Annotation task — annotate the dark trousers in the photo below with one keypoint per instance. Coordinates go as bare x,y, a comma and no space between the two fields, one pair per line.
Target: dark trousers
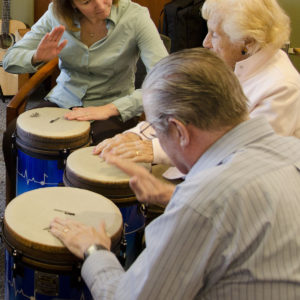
101,130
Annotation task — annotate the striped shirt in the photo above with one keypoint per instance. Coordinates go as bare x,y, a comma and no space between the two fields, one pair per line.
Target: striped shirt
230,231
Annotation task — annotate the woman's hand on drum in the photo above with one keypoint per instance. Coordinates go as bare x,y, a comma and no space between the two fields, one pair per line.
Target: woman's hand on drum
77,237
50,46
92,113
127,145
147,188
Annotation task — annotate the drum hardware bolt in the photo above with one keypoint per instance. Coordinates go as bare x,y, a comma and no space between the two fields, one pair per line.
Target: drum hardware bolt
143,209
76,280
13,141
123,246
64,153
17,268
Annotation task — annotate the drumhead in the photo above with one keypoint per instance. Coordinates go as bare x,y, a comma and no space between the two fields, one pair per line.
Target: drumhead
89,171
46,128
28,216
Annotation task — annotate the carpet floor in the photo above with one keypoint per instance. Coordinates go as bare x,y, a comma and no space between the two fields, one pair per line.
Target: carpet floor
2,193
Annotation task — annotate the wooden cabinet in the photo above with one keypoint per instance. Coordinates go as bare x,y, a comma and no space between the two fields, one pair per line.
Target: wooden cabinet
40,6
154,6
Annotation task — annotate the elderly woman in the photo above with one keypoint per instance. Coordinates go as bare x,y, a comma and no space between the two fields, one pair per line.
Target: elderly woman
248,36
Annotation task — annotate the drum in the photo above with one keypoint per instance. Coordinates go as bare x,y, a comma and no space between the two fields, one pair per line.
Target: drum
37,265
88,171
43,140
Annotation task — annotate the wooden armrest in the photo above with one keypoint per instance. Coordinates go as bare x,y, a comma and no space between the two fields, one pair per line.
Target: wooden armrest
17,104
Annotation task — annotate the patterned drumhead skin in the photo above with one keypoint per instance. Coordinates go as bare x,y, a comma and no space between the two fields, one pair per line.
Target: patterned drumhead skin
28,216
49,122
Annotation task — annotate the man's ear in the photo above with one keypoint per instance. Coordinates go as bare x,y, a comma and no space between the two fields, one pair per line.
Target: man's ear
181,132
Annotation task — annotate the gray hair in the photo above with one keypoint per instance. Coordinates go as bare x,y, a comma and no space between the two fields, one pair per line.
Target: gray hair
195,87
264,21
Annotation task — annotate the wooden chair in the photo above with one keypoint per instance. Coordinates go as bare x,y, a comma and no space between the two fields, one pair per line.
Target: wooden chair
18,103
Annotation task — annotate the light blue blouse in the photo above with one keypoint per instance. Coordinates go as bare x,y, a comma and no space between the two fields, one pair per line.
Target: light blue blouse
102,73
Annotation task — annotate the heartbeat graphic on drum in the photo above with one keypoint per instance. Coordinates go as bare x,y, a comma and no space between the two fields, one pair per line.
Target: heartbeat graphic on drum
29,180
18,292
21,292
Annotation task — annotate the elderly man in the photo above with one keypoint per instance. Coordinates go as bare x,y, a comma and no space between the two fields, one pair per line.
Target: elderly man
231,229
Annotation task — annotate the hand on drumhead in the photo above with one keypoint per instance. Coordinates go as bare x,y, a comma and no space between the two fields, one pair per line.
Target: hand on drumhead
92,113
50,46
108,145
77,237
136,150
146,187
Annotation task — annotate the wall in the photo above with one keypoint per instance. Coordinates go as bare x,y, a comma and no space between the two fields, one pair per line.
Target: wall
155,7
21,10
292,7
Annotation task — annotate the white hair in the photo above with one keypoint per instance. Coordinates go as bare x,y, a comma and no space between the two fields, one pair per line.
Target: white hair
264,21
196,87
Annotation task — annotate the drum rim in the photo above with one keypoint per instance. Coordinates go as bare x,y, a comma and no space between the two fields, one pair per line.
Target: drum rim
51,143
114,184
53,154
118,198
29,250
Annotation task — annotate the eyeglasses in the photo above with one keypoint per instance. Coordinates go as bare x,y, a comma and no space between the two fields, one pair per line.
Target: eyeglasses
148,132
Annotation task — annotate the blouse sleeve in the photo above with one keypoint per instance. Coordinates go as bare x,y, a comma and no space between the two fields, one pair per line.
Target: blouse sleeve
152,50
18,58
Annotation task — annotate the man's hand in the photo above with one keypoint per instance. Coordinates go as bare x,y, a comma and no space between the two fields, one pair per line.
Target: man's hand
127,145
146,187
77,237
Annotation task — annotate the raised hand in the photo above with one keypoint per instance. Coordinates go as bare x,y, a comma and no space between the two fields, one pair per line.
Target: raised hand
50,46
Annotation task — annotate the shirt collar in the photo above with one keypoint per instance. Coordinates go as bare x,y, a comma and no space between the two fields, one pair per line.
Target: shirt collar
248,67
113,17
245,133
